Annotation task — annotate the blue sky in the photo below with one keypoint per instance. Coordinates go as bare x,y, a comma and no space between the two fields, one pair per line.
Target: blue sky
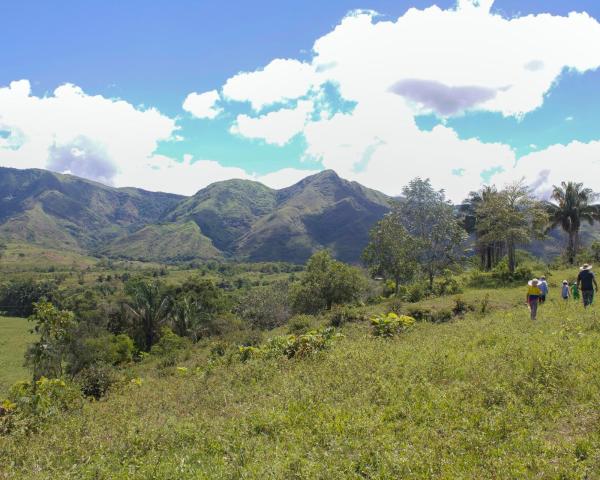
132,65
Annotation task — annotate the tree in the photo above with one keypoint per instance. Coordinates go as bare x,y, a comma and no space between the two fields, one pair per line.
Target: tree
429,218
195,306
53,328
149,306
18,297
572,205
265,306
512,216
327,282
490,250
390,252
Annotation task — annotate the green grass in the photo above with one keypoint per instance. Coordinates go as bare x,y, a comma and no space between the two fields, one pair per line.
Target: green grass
496,396
14,338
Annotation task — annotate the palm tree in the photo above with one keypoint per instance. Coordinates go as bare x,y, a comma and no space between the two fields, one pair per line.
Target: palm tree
572,205
490,252
150,307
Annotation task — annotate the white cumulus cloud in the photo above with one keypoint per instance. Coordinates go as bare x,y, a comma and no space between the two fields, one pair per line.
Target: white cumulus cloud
279,81
203,105
277,127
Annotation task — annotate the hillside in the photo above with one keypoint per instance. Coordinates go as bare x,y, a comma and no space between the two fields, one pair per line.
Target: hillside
492,396
236,218
63,211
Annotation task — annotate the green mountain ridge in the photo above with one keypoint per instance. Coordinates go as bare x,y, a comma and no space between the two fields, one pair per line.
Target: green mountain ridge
233,218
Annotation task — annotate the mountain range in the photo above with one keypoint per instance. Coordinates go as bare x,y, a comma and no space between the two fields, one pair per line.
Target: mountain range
238,219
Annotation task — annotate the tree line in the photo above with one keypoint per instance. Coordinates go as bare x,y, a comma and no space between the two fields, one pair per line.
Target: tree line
424,234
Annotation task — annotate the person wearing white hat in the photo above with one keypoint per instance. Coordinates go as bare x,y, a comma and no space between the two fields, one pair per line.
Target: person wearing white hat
586,281
533,297
566,290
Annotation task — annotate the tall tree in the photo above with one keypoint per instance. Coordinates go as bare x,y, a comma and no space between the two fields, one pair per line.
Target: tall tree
429,218
490,251
512,216
149,307
391,251
327,282
572,204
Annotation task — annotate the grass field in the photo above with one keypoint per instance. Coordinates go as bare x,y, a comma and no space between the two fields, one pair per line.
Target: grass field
494,396
14,337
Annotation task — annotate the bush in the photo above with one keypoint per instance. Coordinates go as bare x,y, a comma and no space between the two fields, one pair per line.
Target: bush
461,307
341,314
265,307
391,324
395,305
325,283
292,346
416,292
105,348
420,313
301,323
447,285
29,405
441,316
96,380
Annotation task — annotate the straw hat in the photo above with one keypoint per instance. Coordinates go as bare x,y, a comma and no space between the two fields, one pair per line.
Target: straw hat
533,282
565,282
585,266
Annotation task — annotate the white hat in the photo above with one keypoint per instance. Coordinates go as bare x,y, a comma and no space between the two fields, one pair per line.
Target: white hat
531,282
585,266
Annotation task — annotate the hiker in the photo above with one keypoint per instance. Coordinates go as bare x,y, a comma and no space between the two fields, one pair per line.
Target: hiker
575,291
533,297
543,285
586,282
566,290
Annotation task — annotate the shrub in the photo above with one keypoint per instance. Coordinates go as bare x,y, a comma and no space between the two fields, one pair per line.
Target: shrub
391,324
301,323
96,380
420,313
341,314
19,296
441,316
30,404
265,307
292,346
104,348
416,292
461,307
395,305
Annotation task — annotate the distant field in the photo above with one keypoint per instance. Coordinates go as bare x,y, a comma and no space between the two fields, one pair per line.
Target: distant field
21,257
14,337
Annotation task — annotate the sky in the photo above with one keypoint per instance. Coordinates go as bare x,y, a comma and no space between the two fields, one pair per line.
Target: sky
174,95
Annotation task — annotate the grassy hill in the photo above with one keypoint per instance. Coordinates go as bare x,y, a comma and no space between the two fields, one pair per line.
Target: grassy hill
14,338
485,396
164,242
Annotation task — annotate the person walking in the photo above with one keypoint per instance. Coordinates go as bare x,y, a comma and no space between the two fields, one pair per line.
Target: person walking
566,291
575,291
544,288
586,282
533,297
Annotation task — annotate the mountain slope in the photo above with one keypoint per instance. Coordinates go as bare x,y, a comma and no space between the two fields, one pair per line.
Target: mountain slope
165,242
64,211
233,218
225,211
321,211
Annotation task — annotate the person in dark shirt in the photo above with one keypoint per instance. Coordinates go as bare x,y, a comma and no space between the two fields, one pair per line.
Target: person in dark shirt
586,281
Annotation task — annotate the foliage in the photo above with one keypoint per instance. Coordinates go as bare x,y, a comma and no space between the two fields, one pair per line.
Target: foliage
342,314
265,307
149,307
301,323
292,346
96,379
429,218
326,282
391,251
30,404
102,347
53,328
17,297
572,205
511,216
391,324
